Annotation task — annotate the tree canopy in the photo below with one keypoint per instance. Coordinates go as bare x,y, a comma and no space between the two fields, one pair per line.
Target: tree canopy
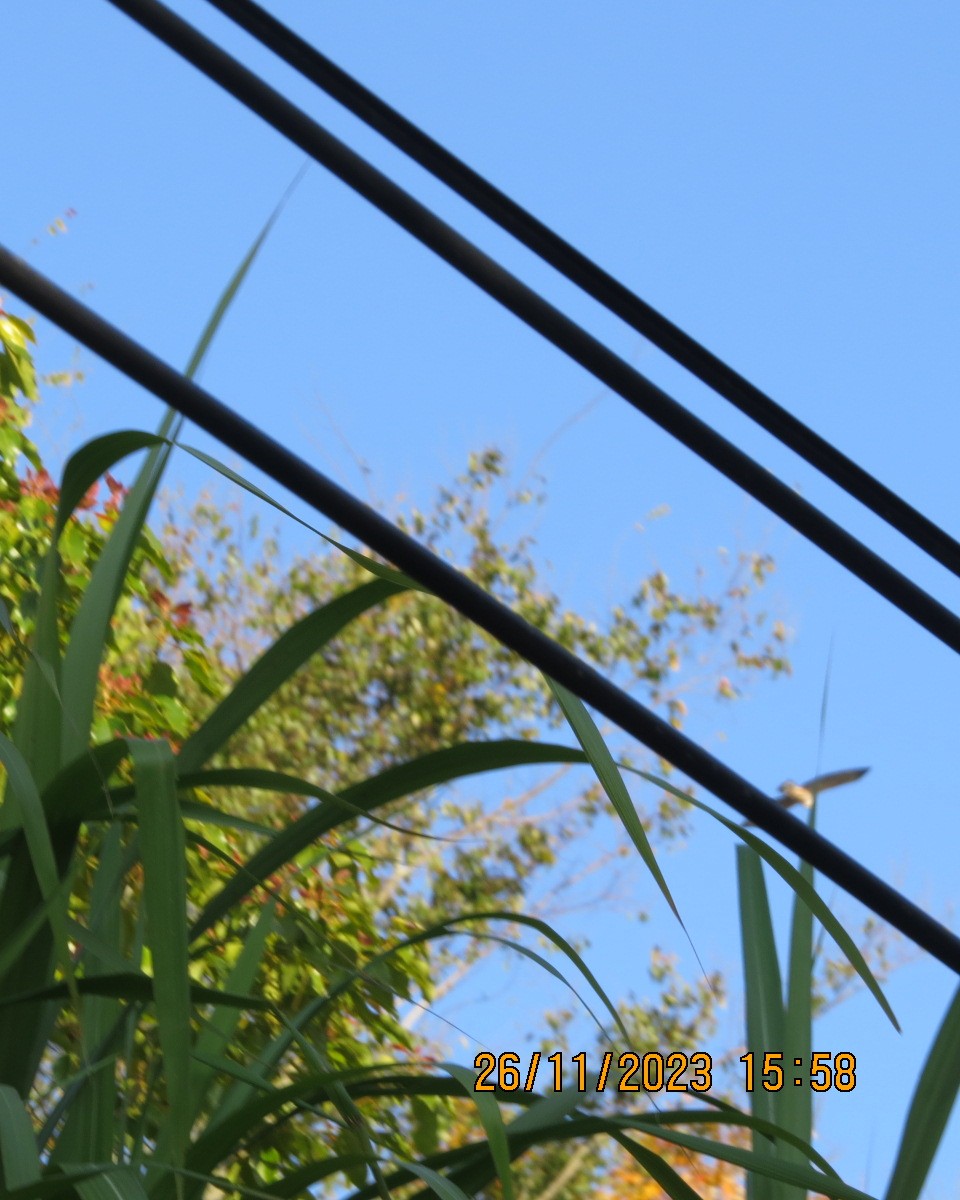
204,605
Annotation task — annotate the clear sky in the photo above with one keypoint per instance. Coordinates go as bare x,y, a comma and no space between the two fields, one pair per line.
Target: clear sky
779,180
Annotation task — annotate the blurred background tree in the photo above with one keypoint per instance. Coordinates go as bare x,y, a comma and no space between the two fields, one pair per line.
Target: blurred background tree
207,593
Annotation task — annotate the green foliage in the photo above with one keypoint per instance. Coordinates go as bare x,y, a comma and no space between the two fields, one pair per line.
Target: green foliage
782,1017
138,692
202,987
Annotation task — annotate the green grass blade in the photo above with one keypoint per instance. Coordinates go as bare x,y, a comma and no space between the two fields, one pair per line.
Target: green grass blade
286,656
797,1175
72,1086
570,1123
544,1111
659,1171
545,965
792,877
492,1121
18,1146
764,1002
439,1184
472,1169
37,729
729,1116
379,569
99,955
120,1183
222,1125
78,793
600,758
930,1108
556,1110
295,1182
53,1187
33,879
219,1030
90,626
15,943
275,781
219,1139
353,1119
449,926
229,293
23,796
134,988
272,1054
93,460
163,851
795,1105
429,770
88,633
88,1134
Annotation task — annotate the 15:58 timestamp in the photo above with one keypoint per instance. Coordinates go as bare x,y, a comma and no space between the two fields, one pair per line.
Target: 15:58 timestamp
826,1071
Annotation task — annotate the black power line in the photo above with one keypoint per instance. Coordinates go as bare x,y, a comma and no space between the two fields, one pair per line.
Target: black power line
527,304
472,601
595,281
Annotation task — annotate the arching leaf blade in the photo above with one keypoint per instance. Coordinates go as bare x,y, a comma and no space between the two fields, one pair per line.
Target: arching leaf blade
429,770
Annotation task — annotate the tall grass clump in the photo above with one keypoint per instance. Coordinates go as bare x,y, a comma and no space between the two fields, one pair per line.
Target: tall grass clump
138,908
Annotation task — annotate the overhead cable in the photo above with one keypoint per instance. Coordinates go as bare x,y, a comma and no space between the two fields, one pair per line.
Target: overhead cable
445,581
557,328
593,279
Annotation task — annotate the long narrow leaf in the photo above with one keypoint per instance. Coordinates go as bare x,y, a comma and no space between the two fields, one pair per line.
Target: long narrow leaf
55,1186
165,904
89,630
430,770
283,659
660,1171
93,460
381,570
37,729
221,1137
80,790
796,1174
492,1122
600,758
18,1147
438,1184
795,1105
229,293
135,988
930,1108
37,875
219,1030
764,1004
23,794
88,1135
276,781
16,942
450,925
477,1169
119,1184
72,1086
794,880
545,965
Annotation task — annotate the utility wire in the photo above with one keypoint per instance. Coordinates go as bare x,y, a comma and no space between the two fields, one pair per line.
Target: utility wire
445,581
592,279
527,304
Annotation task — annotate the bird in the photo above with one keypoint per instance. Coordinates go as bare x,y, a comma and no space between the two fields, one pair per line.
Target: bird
806,793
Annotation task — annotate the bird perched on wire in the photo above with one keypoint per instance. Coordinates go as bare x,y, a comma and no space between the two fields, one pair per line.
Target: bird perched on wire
805,793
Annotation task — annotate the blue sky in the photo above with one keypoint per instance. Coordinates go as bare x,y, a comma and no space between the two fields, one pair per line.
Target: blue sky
778,180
